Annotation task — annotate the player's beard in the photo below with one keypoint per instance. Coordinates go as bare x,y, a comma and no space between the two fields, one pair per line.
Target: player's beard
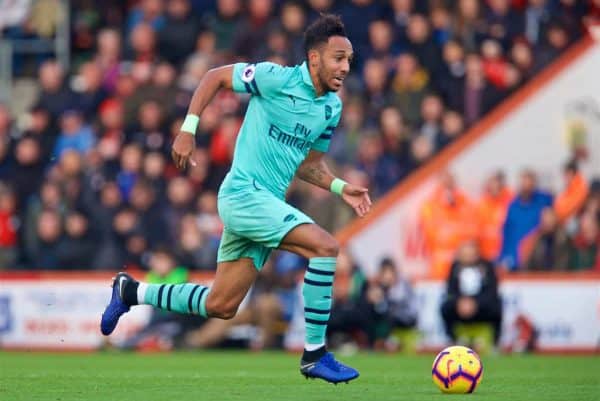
325,82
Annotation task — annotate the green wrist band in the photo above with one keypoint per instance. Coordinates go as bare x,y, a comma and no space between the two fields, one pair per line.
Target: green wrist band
190,124
337,186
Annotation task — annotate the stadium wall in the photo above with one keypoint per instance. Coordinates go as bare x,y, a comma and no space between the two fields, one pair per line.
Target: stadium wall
529,129
61,311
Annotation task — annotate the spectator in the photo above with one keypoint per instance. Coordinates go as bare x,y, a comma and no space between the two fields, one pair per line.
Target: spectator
293,20
472,293
178,203
371,309
208,217
393,300
452,127
432,109
79,244
108,56
151,222
178,38
376,93
469,25
154,172
409,86
9,224
569,13
253,30
50,198
344,144
523,216
548,247
584,252
49,231
572,198
495,66
503,23
102,220
401,10
448,221
126,240
131,165
522,57
383,171
358,16
196,250
451,70
491,211
55,96
381,42
149,132
75,134
142,46
223,23
557,40
147,12
26,173
421,150
477,97
420,43
395,136
91,93
441,25
42,129
537,18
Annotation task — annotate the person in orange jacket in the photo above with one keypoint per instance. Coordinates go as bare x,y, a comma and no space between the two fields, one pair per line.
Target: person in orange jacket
491,213
448,220
570,200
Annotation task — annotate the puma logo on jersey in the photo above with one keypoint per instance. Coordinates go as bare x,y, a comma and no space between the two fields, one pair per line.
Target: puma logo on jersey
328,112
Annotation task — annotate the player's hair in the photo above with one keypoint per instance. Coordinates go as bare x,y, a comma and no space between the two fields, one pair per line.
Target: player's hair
319,32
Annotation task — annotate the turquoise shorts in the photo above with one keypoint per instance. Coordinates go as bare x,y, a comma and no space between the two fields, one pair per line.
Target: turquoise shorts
255,220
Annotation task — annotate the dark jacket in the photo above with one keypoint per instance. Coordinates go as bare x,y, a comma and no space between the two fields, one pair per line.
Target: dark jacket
478,281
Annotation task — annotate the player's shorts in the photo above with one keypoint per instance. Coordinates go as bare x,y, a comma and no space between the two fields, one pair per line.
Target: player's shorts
256,221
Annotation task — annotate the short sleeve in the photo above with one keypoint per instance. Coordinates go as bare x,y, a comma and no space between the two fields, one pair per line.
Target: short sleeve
322,142
260,79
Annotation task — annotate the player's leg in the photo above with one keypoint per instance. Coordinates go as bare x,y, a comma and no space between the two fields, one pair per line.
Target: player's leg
232,281
321,250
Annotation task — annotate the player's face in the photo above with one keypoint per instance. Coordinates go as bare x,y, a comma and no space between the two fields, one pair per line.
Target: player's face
335,59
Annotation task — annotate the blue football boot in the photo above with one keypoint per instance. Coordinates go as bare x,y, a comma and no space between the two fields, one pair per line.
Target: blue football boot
117,305
328,369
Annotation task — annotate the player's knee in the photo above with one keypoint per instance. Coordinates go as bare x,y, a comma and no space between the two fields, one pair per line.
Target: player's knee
328,247
221,309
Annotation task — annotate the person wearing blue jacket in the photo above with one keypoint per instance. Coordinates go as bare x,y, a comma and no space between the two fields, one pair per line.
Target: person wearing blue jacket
522,217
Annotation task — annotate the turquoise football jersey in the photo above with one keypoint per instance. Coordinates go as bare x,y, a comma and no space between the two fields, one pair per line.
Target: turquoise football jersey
284,121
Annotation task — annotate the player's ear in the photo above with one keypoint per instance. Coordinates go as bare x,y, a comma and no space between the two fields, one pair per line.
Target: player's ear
314,58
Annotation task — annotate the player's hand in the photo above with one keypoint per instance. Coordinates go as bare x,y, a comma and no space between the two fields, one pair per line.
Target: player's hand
182,150
358,198
466,307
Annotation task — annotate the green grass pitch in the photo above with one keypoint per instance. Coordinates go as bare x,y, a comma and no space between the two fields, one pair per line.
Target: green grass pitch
223,376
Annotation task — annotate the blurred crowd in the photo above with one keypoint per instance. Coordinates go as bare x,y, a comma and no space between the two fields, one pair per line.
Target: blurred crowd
521,229
86,181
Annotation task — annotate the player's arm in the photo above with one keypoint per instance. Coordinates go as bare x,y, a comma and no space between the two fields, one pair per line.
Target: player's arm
314,170
209,85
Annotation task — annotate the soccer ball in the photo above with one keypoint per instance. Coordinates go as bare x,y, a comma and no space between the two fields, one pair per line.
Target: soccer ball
457,370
